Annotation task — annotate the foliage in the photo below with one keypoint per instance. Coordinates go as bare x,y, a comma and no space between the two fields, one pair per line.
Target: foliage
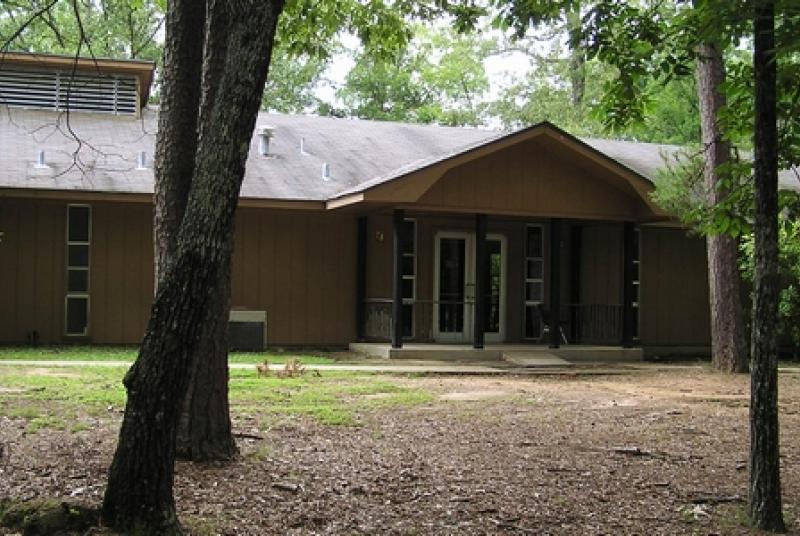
789,266
292,81
680,190
544,94
438,78
106,28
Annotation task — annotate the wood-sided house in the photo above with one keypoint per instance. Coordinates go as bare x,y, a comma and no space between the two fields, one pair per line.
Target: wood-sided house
347,230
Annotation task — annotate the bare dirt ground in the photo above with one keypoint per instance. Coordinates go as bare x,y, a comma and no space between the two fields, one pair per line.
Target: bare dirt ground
653,452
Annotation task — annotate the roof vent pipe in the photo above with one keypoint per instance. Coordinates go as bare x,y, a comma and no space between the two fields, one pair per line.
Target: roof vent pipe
265,134
326,171
303,146
141,160
40,160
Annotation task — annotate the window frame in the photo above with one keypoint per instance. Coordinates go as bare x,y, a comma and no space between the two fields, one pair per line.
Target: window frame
541,280
413,278
71,294
637,285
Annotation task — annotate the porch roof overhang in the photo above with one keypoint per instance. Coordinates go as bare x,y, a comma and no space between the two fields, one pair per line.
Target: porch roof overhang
406,185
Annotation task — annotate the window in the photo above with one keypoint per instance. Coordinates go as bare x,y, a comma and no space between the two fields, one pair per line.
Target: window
79,224
534,280
636,287
409,275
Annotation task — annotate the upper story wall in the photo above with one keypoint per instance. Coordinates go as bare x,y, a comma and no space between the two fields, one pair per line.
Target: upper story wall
530,178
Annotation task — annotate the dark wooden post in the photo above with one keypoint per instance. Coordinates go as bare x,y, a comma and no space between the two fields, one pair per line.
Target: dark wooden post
575,244
361,278
555,283
479,321
397,288
628,245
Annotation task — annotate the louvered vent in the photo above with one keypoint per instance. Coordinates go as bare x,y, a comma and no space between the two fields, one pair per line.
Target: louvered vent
62,90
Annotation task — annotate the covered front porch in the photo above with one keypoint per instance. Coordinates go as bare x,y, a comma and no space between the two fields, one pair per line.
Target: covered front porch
480,280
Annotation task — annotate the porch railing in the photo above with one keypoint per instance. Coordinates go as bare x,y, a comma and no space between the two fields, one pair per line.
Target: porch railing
595,323
583,323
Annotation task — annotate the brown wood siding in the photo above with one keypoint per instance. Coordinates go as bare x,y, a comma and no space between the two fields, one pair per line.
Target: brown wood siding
299,267
121,272
32,270
674,291
528,179
601,264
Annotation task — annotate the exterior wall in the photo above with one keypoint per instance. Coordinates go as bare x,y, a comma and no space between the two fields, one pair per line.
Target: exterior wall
528,179
298,266
674,291
600,280
120,273
32,270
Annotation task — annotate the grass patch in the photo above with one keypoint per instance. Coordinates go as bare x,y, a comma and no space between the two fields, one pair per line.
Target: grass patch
48,397
45,421
129,353
259,454
57,397
334,398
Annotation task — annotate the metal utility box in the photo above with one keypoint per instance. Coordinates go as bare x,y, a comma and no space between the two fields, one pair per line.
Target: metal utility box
247,331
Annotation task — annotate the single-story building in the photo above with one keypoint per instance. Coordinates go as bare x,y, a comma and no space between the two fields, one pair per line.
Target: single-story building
347,230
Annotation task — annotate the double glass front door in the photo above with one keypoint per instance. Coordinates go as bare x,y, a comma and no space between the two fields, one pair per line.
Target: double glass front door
454,290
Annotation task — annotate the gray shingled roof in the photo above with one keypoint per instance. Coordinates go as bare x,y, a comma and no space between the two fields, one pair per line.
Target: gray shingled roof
360,153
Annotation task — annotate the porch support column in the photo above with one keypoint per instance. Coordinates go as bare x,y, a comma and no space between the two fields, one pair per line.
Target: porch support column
361,278
479,319
628,239
576,236
397,274
555,283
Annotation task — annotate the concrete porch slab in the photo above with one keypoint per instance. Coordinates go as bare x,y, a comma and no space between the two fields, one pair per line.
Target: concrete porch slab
535,359
534,355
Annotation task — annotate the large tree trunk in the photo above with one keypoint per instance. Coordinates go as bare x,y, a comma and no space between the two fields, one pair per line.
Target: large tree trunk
139,492
764,494
728,341
176,140
204,429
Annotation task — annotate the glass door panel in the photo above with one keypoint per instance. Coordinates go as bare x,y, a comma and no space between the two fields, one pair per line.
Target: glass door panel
493,285
452,285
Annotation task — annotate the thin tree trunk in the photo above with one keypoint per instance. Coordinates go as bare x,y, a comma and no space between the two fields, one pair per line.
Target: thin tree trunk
764,493
577,57
204,429
139,495
728,341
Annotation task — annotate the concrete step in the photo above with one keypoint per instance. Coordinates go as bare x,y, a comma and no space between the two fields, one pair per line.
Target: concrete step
534,358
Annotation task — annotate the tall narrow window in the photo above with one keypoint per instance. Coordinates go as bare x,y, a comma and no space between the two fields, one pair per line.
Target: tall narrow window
79,224
637,236
409,249
534,280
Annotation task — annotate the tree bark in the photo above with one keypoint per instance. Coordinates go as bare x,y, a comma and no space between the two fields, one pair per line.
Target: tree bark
577,58
139,495
728,341
176,139
204,429
764,492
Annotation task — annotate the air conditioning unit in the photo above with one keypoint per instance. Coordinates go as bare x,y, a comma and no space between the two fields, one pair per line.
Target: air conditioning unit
247,331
